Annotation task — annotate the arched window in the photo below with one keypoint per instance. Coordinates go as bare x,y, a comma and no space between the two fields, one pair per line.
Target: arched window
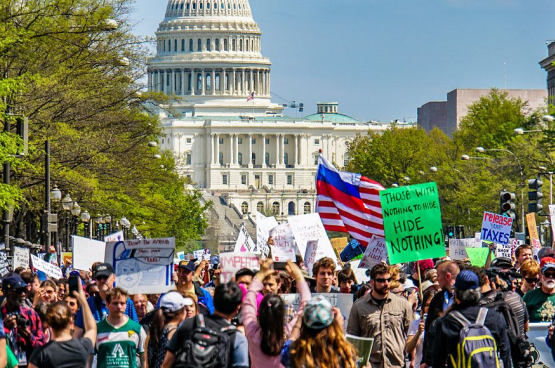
221,158
199,82
175,45
247,45
191,45
226,82
233,44
209,82
199,45
245,208
285,158
208,45
267,158
183,45
241,45
291,208
240,158
225,44
253,158
260,207
275,208
217,81
217,44
307,208
194,6
169,45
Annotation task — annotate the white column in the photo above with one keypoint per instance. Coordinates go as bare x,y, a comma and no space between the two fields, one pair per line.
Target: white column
232,84
231,147
203,83
282,149
217,148
183,82
250,151
222,79
193,80
277,149
269,83
263,150
171,87
236,136
251,82
296,149
211,148
213,82
149,81
244,82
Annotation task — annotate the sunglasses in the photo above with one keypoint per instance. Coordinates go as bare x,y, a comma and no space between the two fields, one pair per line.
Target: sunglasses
549,275
531,280
101,278
382,281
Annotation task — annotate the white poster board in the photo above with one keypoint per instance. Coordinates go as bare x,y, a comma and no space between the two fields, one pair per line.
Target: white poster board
230,263
309,227
263,227
342,301
496,228
114,237
311,255
375,253
20,257
86,252
244,243
283,248
143,266
48,268
457,247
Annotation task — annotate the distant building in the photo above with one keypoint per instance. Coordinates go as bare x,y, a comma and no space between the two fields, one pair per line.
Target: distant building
447,115
547,65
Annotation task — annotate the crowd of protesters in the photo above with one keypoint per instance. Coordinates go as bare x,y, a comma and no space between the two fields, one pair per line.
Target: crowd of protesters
414,313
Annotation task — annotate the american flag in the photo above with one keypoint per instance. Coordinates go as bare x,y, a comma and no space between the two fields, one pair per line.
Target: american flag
251,97
348,202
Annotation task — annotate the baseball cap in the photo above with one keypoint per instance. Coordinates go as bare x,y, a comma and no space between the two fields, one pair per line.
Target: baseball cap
12,282
103,269
547,263
318,313
424,265
467,280
174,301
187,265
502,263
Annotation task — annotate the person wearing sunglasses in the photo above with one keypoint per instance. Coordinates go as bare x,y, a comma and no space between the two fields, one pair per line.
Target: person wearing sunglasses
540,302
383,316
530,271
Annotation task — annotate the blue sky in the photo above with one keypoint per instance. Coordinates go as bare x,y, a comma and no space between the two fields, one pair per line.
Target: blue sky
382,59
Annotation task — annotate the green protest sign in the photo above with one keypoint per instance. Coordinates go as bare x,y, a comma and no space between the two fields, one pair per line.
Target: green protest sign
478,256
412,223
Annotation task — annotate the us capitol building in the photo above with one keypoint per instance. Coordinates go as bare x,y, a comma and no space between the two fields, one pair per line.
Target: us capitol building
242,152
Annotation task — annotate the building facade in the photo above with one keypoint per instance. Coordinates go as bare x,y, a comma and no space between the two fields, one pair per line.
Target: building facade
547,65
229,139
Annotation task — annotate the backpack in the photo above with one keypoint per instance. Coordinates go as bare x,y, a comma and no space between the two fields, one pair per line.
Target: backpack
206,347
521,350
476,347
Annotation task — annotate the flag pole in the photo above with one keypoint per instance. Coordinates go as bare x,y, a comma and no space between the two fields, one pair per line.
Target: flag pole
419,281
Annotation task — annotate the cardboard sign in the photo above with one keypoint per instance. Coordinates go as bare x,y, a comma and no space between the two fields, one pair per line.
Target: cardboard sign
20,257
457,248
364,348
86,252
48,268
376,253
142,266
310,227
339,244
496,228
4,266
117,236
230,263
477,256
263,227
412,223
244,243
342,301
283,248
533,231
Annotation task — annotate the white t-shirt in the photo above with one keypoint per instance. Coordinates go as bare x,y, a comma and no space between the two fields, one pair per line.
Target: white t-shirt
413,329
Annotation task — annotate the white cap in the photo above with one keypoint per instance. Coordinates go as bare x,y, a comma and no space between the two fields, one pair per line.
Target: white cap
174,301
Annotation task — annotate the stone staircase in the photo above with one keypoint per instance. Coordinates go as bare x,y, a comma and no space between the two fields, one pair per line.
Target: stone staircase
228,219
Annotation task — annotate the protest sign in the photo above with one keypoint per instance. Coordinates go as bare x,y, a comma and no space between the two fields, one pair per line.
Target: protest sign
503,250
20,257
180,256
4,270
496,228
376,253
412,223
477,240
478,256
312,255
351,251
48,268
263,226
309,227
86,252
67,258
364,348
283,248
198,254
339,244
457,247
142,266
114,237
342,301
230,263
552,218
533,231
244,243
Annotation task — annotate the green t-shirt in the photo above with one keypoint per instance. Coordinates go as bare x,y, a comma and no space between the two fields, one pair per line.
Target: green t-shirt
118,347
541,307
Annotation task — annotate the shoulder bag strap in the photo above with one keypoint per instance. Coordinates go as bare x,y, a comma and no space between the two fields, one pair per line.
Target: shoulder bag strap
460,318
481,319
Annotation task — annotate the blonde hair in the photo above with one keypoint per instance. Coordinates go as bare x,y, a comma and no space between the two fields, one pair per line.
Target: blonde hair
530,268
327,347
116,292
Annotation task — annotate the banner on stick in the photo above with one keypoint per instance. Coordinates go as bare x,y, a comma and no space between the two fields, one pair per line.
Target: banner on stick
376,253
263,227
86,252
48,268
244,243
412,223
496,228
478,256
230,263
309,227
283,248
533,231
20,257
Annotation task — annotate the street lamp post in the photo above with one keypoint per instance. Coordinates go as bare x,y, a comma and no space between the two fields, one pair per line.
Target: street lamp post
86,217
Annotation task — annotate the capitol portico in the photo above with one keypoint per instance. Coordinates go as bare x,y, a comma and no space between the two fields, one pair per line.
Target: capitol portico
241,149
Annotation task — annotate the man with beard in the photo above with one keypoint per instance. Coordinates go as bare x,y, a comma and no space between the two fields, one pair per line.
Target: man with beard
383,316
541,302
22,324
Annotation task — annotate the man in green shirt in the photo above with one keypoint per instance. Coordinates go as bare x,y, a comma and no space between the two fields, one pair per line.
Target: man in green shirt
541,302
119,338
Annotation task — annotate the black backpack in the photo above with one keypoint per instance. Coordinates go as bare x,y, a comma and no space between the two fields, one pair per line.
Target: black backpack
521,350
207,347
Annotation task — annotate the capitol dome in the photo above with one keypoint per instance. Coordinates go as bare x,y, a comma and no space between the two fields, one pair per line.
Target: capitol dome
209,61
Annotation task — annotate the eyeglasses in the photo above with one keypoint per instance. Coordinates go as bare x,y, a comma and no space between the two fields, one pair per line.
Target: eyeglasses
531,280
549,275
382,281
101,278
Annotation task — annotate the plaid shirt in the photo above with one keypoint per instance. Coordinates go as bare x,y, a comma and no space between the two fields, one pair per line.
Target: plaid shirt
35,327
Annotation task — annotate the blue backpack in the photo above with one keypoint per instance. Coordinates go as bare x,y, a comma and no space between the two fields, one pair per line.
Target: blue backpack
476,347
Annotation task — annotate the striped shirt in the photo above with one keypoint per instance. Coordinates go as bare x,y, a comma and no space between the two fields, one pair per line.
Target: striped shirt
118,347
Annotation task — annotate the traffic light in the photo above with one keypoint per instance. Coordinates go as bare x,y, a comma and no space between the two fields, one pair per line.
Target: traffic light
450,231
507,204
535,195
